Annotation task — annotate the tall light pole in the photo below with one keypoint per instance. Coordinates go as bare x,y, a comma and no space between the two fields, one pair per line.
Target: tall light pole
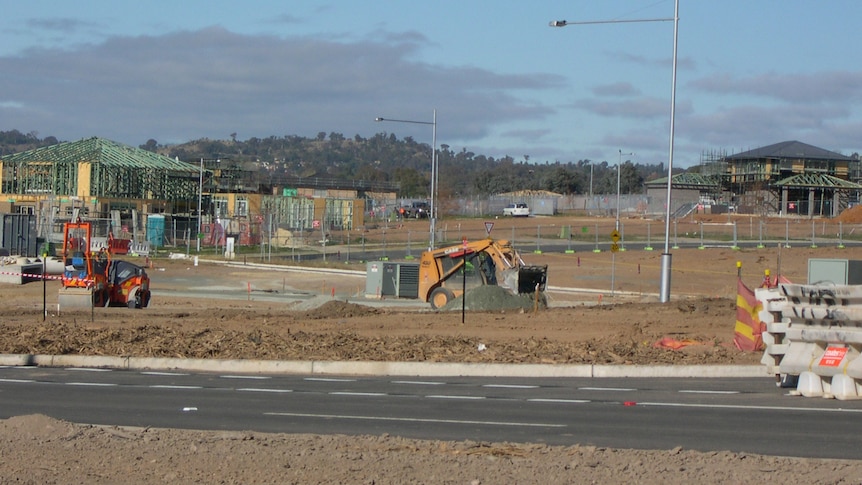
200,200
664,292
432,216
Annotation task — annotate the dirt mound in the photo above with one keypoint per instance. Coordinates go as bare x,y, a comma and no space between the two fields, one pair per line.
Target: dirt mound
509,332
340,309
492,297
36,427
852,215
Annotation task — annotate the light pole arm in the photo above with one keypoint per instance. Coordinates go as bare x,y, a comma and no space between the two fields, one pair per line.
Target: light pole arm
406,121
563,23
432,216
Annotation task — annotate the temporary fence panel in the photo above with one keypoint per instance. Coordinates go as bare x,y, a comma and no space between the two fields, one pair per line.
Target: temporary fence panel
18,234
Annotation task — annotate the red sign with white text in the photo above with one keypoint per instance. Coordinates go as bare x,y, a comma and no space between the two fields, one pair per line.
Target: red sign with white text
833,356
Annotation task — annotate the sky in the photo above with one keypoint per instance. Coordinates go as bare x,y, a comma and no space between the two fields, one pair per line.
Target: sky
500,80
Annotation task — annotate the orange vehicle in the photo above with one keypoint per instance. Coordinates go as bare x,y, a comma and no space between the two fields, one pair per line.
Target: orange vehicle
444,272
95,278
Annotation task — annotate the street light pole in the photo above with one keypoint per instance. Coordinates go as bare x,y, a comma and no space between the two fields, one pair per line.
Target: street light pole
432,215
200,200
619,169
664,292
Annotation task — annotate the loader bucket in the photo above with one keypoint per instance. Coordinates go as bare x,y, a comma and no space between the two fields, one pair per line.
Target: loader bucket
525,279
531,278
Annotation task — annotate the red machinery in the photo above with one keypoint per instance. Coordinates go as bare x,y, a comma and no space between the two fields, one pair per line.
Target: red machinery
96,278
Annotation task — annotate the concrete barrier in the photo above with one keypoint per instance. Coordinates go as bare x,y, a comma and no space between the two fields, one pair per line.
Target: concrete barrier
818,339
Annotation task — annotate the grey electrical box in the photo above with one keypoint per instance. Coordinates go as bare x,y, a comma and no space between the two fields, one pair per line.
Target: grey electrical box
374,279
384,278
834,271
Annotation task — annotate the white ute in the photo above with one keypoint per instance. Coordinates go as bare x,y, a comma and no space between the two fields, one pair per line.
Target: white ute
516,210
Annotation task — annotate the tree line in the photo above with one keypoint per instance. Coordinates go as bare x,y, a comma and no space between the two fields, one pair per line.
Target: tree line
386,158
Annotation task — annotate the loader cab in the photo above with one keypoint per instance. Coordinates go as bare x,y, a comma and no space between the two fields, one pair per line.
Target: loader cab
476,268
76,266
123,270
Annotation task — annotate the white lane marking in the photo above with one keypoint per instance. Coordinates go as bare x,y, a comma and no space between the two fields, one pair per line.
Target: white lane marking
510,386
190,408
420,383
259,378
94,384
619,389
18,381
419,420
695,391
160,386
564,401
88,369
345,393
447,396
328,379
154,373
744,406
260,389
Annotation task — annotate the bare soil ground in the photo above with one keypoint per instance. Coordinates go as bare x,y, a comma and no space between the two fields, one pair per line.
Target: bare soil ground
252,313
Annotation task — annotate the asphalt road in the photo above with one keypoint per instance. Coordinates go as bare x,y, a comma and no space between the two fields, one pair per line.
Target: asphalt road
742,415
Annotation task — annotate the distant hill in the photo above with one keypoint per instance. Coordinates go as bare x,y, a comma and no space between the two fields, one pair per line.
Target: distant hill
387,158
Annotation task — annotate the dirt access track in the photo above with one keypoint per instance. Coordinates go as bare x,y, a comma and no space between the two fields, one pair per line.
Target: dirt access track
229,312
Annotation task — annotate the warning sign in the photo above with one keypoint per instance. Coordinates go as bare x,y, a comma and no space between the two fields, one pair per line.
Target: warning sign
833,356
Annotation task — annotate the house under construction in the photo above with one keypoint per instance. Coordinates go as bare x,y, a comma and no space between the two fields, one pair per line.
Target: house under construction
128,190
787,178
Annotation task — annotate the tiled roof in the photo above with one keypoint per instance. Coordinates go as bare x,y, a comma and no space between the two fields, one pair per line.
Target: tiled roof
789,149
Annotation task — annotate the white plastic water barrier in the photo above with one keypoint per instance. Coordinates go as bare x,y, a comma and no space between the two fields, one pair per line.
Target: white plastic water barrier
816,334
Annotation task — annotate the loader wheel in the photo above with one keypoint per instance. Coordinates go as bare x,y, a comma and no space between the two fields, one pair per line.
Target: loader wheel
137,298
440,297
143,298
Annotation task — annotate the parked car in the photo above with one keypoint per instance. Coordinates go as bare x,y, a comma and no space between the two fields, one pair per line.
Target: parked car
416,210
516,210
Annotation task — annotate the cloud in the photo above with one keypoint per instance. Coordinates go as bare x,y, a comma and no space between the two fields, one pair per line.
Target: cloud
616,89
829,86
527,135
753,125
60,25
643,107
212,82
686,63
284,19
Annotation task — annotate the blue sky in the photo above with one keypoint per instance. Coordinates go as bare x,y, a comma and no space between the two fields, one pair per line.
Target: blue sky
501,80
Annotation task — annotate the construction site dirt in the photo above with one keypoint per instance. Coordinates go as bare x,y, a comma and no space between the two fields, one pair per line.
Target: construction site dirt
241,311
